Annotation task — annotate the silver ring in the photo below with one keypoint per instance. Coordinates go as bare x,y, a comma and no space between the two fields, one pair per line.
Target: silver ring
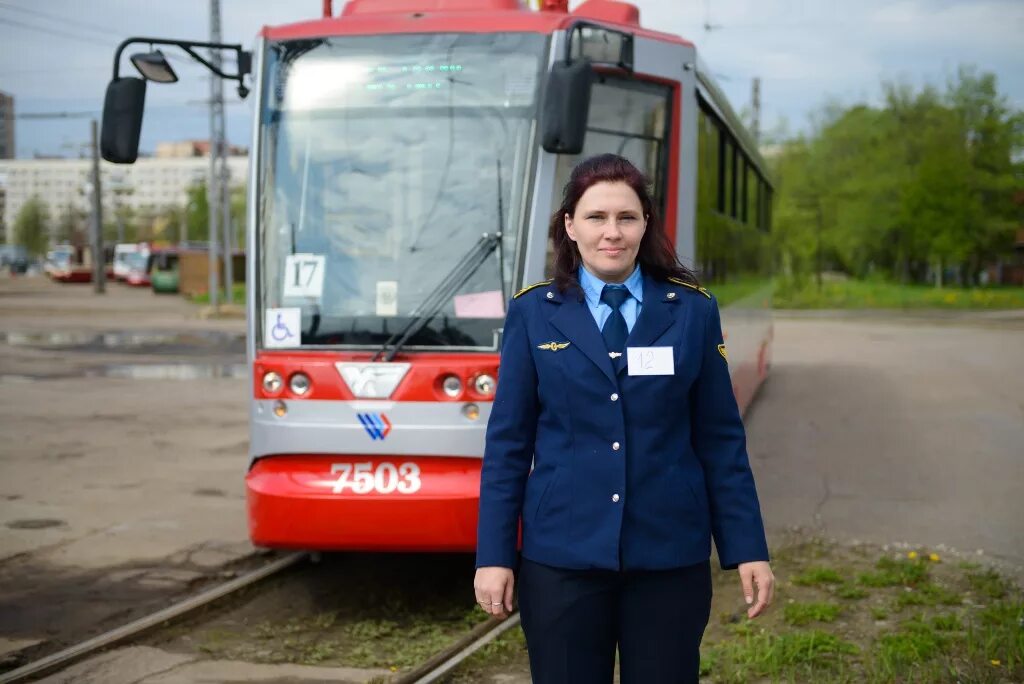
496,604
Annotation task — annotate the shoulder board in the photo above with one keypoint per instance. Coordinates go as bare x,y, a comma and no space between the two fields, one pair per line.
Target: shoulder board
702,290
530,287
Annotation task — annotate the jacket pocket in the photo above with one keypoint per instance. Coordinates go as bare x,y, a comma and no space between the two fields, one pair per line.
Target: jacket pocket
694,484
546,494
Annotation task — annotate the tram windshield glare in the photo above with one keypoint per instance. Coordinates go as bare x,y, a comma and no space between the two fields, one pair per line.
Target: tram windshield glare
381,162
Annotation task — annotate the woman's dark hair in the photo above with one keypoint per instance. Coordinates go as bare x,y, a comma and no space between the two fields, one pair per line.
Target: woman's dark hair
656,256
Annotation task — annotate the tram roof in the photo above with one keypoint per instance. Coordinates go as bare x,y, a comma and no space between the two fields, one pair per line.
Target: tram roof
368,17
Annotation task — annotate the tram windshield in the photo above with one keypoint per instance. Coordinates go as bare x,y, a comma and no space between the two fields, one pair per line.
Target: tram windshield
384,160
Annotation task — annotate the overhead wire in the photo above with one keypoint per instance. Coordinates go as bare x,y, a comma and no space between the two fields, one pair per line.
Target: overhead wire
53,32
53,17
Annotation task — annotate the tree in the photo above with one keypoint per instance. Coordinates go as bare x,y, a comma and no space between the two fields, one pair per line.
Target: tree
71,226
197,212
921,186
30,226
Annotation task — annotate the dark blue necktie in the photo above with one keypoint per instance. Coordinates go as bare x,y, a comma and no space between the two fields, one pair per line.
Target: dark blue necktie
614,330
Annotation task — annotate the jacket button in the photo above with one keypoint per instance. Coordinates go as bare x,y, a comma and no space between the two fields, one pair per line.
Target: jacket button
615,498
615,446
615,397
550,296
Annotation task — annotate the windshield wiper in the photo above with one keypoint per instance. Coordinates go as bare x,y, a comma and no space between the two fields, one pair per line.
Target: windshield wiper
436,301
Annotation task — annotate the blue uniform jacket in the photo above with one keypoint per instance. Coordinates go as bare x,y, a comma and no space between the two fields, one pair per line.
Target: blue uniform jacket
629,472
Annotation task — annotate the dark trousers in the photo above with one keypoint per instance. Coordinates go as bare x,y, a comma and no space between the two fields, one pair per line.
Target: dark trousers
574,619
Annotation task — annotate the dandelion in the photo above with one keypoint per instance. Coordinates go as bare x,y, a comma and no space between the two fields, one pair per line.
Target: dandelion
995,663
912,555
394,668
933,557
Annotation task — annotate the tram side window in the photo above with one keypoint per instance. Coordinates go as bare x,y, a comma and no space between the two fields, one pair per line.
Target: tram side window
744,189
733,253
728,172
628,118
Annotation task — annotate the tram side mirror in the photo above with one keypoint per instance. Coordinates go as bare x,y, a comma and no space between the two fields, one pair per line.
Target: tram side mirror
566,105
122,120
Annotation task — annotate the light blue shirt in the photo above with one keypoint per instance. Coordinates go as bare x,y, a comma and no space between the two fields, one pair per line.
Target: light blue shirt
630,309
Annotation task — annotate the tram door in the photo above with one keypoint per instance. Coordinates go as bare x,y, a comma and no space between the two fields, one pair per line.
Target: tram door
627,117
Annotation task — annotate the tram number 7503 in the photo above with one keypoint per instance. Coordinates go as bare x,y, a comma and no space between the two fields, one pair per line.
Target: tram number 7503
386,478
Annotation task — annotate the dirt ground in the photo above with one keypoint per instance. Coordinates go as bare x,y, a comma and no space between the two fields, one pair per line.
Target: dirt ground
122,481
123,422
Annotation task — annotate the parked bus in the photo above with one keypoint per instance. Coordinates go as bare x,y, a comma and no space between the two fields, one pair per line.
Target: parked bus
405,161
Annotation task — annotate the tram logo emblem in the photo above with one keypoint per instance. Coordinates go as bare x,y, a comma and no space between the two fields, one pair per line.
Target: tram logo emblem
376,425
372,380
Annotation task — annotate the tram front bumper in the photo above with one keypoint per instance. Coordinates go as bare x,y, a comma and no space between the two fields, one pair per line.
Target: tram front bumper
371,503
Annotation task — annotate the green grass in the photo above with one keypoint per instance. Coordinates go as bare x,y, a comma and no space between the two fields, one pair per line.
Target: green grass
818,576
748,291
799,656
799,614
850,592
873,294
895,572
988,583
909,618
237,293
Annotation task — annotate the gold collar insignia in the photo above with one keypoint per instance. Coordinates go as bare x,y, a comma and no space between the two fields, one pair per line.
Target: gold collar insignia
721,350
553,346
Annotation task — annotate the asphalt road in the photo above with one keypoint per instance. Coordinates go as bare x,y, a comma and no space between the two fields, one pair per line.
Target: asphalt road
896,429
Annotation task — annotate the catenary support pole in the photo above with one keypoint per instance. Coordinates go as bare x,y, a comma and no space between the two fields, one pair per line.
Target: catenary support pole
99,272
212,193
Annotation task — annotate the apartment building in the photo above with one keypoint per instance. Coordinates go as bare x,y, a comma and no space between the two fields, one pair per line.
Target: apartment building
149,185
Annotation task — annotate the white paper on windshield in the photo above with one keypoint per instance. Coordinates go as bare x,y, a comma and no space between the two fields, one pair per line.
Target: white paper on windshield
387,298
489,304
304,275
282,328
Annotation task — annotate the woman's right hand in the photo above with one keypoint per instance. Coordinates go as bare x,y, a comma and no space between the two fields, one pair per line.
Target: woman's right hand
493,589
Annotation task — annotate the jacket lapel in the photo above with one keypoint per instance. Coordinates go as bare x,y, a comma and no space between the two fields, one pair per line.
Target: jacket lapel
657,314
573,319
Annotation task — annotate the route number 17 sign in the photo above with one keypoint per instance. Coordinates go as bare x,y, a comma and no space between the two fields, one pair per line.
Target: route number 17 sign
304,275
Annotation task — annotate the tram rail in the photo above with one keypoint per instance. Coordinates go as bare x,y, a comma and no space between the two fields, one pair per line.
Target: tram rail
67,656
432,669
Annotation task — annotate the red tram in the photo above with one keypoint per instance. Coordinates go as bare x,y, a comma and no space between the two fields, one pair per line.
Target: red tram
405,160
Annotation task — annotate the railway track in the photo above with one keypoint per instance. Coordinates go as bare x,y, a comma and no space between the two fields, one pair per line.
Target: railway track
432,669
63,658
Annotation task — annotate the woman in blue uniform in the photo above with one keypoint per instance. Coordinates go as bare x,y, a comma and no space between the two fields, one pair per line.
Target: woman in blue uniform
614,387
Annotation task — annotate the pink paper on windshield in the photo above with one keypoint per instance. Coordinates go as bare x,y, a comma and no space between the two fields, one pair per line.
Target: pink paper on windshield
489,304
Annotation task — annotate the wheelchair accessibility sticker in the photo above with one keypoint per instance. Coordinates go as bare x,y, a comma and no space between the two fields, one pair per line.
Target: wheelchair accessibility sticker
282,328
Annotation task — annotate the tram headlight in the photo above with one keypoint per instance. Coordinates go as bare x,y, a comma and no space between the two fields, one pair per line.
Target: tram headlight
299,383
484,384
280,409
452,386
272,382
471,411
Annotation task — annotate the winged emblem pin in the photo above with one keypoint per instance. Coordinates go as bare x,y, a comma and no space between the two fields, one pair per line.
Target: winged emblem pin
553,346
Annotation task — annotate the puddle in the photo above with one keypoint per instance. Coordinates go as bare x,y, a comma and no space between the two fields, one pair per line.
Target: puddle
122,340
170,371
34,523
143,371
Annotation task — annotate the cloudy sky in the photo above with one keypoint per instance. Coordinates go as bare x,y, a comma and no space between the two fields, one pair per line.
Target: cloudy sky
56,56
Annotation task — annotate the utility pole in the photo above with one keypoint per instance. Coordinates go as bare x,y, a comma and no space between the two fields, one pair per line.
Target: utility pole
216,143
99,272
225,219
755,106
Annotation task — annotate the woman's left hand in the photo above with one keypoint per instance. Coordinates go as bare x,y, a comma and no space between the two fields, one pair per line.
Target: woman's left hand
759,574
